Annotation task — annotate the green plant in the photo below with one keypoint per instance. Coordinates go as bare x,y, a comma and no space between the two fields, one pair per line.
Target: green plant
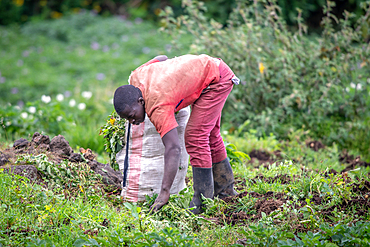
236,157
290,80
73,178
114,133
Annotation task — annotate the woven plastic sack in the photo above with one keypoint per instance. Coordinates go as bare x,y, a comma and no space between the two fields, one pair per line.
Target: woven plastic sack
146,160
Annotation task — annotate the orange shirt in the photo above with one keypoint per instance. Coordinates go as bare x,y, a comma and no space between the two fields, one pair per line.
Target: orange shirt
175,82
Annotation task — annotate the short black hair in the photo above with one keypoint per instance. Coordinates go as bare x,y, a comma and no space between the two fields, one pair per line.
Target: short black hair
124,96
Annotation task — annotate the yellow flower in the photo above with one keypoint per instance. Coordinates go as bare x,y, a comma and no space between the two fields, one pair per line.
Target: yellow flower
97,8
261,67
82,190
56,15
43,3
18,2
112,120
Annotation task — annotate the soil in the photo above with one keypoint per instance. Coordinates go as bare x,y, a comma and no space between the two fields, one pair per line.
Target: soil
57,150
273,202
352,161
315,145
263,157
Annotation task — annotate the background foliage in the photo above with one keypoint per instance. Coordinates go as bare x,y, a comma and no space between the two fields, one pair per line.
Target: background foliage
290,80
59,76
20,11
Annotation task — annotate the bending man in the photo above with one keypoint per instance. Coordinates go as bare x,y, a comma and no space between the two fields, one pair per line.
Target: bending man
160,88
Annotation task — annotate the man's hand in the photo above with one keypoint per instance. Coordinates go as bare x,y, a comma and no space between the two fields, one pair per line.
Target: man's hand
161,200
172,152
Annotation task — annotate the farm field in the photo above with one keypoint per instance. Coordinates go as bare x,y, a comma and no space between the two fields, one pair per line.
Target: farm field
320,200
57,79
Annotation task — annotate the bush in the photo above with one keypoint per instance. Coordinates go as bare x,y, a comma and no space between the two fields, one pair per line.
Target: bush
290,80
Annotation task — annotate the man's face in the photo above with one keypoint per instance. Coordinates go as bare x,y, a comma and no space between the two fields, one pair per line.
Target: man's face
135,114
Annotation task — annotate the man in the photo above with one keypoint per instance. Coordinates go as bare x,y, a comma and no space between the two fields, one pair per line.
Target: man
160,88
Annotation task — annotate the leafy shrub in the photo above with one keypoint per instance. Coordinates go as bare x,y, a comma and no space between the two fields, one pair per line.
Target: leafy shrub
290,80
113,132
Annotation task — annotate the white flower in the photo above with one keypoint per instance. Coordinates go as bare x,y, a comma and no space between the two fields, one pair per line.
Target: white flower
86,94
259,49
32,109
95,45
100,76
368,80
359,86
72,103
81,106
225,132
40,112
24,115
347,89
352,85
46,99
60,97
8,123
59,118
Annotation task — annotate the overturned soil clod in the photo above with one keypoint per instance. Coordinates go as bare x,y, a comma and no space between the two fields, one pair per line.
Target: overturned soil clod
315,145
57,150
235,214
352,161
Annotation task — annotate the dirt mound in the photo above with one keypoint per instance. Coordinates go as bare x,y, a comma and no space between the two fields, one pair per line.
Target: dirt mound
27,171
235,214
283,179
352,161
57,150
264,157
315,145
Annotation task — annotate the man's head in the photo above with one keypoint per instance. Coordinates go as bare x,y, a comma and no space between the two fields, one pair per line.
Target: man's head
129,104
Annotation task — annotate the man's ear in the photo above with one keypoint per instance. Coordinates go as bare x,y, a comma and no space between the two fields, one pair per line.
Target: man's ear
141,101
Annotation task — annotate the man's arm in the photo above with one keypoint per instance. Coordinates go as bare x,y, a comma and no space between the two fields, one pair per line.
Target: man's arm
171,165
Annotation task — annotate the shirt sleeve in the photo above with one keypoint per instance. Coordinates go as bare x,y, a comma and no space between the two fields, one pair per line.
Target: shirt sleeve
163,118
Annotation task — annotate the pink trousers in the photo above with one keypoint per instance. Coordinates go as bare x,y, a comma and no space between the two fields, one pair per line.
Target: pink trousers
203,140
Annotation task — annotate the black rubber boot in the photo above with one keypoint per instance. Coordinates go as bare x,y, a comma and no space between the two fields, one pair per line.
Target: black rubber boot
203,185
223,178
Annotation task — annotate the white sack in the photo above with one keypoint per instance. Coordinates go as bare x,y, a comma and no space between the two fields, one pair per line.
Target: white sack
146,160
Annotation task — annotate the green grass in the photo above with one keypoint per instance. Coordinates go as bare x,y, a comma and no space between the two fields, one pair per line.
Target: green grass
85,53
75,210
75,54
